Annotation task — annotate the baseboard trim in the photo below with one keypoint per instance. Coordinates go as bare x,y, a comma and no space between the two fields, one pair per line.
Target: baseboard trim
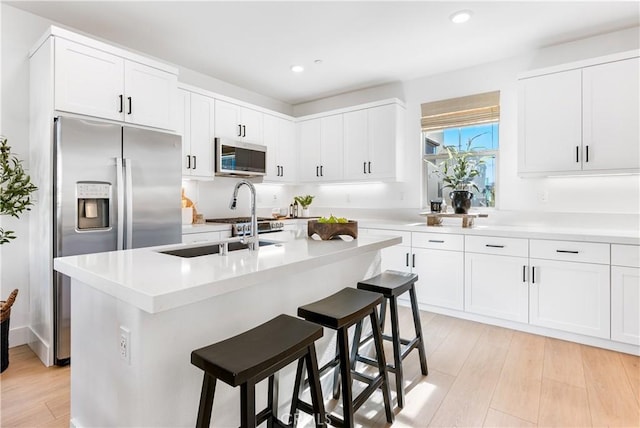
41,348
528,328
19,336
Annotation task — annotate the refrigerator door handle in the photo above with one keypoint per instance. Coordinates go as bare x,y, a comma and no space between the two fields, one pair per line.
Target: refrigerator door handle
129,201
120,208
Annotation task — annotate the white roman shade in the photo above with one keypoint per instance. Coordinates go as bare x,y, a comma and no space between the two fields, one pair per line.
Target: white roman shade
462,111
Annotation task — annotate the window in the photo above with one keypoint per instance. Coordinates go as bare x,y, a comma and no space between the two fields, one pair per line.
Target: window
468,123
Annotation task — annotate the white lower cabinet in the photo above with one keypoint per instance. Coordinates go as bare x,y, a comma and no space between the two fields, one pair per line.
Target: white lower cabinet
497,286
625,293
496,280
439,262
570,296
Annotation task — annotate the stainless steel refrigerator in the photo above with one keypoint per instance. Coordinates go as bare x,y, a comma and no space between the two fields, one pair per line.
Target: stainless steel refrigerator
115,187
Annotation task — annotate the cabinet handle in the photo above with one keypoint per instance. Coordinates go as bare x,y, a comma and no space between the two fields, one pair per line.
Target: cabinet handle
281,171
317,171
364,167
129,99
244,131
239,130
577,153
369,167
321,172
524,273
121,103
413,261
194,162
567,251
533,274
407,261
437,241
188,161
494,246
587,154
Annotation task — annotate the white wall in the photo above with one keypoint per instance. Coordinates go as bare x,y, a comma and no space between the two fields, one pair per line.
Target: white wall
19,32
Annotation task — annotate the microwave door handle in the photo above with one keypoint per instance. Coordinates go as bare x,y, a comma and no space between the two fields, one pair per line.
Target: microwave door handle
129,201
120,202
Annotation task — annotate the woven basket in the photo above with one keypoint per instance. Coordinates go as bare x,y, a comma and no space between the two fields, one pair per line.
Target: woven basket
5,306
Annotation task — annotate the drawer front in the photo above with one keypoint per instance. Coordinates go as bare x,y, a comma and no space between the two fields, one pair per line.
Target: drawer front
585,252
406,236
625,255
495,245
437,241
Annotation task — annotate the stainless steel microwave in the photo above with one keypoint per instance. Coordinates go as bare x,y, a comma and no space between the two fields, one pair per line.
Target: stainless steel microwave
237,158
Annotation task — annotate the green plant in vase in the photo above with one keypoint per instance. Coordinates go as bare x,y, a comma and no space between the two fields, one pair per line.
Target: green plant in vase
15,188
304,202
458,172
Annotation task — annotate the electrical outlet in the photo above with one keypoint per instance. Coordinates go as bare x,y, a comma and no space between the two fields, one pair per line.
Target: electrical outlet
125,344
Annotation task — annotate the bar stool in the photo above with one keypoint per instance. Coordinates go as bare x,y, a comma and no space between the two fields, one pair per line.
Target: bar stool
338,312
392,284
254,355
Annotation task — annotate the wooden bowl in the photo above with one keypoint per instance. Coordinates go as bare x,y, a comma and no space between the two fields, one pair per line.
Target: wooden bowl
328,231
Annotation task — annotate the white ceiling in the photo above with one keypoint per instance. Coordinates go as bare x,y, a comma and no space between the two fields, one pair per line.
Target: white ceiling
361,44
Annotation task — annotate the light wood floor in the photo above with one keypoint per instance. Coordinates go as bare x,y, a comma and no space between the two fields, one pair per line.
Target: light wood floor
479,375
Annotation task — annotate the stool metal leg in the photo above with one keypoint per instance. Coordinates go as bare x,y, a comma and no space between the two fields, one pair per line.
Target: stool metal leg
314,386
272,398
397,352
248,405
206,401
418,327
382,366
383,313
355,347
345,373
297,386
336,371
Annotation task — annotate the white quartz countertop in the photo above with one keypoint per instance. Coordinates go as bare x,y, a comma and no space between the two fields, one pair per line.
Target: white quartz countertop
156,282
582,234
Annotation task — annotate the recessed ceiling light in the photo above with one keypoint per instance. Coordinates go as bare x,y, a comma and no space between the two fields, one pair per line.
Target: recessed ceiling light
297,68
460,16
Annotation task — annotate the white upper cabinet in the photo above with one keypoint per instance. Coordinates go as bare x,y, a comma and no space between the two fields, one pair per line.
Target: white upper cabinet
370,137
88,81
197,129
93,82
281,154
150,95
611,110
321,149
238,123
584,119
550,123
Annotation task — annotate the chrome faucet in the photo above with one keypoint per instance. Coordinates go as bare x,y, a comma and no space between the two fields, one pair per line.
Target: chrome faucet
252,242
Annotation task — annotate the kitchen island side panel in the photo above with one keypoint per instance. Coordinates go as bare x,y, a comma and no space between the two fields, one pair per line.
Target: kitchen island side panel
160,387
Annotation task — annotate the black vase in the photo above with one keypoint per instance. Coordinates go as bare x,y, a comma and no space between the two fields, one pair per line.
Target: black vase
461,201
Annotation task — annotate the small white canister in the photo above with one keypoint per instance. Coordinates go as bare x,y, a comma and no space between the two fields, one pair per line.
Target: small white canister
187,215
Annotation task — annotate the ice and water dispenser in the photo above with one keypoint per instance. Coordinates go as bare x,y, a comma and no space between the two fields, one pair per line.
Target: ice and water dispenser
94,200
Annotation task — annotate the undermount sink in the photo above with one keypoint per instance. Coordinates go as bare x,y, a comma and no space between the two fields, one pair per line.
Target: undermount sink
208,249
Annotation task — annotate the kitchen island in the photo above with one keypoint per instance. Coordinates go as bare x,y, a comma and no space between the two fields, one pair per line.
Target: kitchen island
164,306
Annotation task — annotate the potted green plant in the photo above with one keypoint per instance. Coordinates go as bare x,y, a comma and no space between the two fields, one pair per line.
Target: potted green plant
15,188
304,202
458,172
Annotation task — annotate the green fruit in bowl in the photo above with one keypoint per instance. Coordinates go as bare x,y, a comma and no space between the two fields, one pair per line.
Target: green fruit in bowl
332,220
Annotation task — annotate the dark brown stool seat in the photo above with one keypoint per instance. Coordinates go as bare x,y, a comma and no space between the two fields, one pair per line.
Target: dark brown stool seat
340,311
252,356
392,284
